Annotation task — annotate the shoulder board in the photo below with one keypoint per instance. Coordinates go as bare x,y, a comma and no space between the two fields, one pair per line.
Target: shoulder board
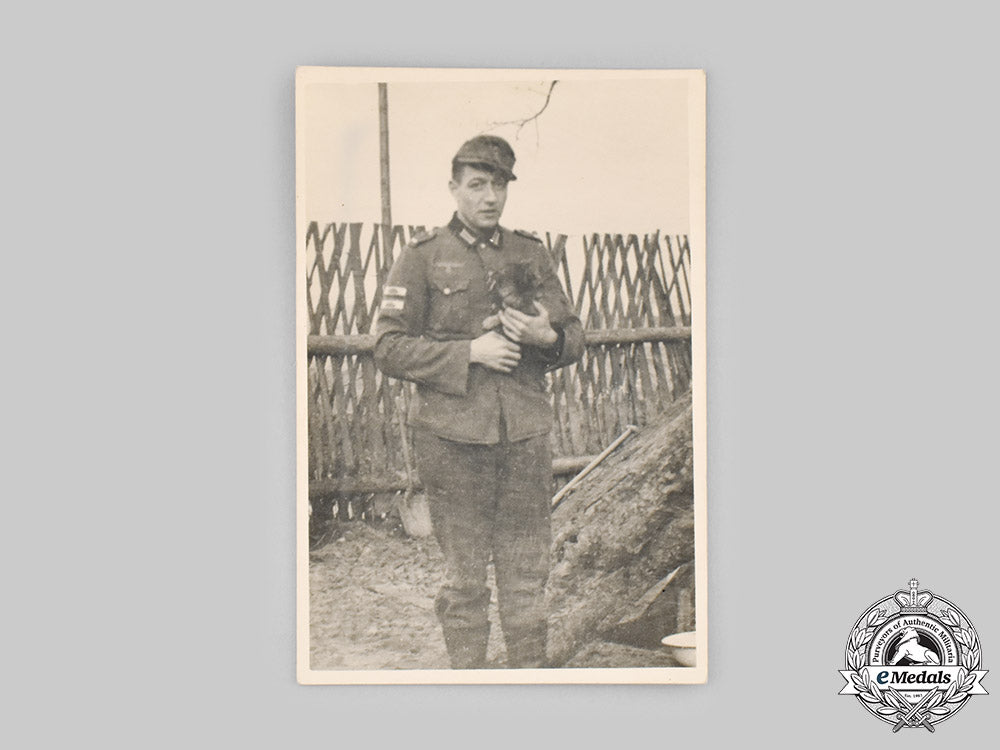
422,237
530,235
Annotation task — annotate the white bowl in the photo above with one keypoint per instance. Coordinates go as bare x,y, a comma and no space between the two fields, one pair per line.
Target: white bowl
683,647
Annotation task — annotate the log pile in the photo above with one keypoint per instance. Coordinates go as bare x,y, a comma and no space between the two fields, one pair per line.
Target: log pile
623,548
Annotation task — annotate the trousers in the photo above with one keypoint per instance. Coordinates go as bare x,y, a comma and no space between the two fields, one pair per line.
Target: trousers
490,502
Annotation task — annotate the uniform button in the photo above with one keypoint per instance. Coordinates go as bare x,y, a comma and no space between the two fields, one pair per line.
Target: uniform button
447,290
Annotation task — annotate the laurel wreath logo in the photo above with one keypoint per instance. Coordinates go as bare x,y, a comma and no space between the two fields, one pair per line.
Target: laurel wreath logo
943,702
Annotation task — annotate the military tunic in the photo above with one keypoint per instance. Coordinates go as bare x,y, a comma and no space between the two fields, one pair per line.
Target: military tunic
435,301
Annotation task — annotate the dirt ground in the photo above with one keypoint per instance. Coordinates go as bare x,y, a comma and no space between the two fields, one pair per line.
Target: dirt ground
371,596
372,599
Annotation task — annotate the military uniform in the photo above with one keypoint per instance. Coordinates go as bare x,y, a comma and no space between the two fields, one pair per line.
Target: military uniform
481,435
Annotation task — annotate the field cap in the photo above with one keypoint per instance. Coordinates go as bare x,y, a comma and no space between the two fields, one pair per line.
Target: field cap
490,150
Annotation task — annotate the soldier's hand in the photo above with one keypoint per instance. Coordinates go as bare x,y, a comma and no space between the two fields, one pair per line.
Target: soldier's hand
528,329
491,322
494,351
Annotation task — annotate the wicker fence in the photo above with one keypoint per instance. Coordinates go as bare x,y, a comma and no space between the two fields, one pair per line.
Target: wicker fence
631,293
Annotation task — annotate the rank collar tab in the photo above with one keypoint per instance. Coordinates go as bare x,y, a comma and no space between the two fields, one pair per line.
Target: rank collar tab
469,237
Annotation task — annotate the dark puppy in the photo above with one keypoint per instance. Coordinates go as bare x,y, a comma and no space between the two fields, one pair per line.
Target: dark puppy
516,285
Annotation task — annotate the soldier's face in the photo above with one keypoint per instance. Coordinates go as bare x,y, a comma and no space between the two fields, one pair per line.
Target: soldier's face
479,197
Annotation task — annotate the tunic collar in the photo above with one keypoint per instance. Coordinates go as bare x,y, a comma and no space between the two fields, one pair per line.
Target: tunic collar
470,238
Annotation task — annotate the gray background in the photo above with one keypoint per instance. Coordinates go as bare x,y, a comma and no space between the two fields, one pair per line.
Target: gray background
148,554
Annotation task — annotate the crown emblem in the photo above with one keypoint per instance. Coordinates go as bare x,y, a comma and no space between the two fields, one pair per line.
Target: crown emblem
913,602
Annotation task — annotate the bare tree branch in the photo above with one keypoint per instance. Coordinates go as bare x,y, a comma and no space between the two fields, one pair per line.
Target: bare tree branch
522,122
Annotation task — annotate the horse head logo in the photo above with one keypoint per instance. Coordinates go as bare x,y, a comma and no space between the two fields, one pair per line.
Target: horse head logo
909,648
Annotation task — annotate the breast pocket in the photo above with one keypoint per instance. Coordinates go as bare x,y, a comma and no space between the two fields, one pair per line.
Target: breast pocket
449,304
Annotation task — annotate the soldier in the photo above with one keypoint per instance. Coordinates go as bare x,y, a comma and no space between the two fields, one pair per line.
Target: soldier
475,315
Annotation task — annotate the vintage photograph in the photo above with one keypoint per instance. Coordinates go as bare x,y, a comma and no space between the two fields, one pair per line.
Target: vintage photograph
501,376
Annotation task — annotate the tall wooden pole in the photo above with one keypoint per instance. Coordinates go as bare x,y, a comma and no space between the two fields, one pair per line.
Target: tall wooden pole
383,143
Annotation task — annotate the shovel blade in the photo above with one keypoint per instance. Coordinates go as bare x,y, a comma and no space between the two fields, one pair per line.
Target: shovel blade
415,515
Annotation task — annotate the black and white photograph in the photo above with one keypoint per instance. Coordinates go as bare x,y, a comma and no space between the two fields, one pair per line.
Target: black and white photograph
501,372
437,375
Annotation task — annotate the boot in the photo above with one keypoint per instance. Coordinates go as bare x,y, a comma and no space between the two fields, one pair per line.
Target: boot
467,647
526,647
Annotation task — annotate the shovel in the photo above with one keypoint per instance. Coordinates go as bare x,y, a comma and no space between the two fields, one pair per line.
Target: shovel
413,510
